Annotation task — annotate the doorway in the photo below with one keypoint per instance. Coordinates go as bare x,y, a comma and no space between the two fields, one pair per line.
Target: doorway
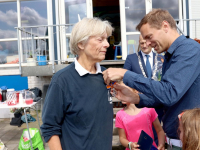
109,10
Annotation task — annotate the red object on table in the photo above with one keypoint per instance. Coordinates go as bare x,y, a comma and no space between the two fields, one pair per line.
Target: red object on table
11,102
17,97
29,101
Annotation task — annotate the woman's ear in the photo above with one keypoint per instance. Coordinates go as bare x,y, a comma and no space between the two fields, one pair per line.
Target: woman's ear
81,46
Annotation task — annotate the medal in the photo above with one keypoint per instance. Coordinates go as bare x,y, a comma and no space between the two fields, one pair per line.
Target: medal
109,87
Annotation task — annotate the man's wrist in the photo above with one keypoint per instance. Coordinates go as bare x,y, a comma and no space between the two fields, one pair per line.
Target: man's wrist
123,73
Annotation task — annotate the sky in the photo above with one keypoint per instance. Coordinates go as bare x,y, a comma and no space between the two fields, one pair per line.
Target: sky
35,13
32,13
73,8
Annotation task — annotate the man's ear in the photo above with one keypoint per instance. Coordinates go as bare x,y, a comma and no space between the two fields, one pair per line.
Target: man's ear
81,46
165,26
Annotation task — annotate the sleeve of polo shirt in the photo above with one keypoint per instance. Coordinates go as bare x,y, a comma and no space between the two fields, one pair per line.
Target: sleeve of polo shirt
53,112
181,74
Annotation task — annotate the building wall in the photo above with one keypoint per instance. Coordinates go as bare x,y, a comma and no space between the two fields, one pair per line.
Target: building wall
34,81
9,70
194,13
14,82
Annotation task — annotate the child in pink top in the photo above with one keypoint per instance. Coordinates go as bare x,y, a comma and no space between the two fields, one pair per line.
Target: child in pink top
131,120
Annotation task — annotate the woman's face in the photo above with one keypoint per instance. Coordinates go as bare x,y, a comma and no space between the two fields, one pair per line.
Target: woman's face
96,47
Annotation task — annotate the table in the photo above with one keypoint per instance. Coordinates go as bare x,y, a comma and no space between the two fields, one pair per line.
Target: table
4,105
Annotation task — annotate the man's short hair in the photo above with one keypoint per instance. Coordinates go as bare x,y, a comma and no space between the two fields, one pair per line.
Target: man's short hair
86,28
155,18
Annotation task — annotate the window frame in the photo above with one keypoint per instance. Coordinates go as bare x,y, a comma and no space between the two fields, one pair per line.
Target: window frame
49,37
64,35
124,34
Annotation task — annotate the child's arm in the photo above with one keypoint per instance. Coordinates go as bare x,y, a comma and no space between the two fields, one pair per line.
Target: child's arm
124,141
160,133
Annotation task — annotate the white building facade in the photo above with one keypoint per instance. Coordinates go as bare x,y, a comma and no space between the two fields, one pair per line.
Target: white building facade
45,26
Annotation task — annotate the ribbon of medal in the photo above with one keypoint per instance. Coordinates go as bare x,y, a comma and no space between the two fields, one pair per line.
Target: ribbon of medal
109,87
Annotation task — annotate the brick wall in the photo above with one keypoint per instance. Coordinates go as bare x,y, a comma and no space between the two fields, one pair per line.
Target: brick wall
34,81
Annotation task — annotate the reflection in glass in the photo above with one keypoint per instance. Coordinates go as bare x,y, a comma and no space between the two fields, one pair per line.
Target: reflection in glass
69,54
68,28
34,44
171,5
8,20
134,11
132,43
34,13
35,32
8,51
35,47
73,11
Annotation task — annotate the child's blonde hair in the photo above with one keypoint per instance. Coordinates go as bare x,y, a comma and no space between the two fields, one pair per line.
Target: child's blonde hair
190,121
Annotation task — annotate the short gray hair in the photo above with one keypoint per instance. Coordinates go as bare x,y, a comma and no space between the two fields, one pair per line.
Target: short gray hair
86,28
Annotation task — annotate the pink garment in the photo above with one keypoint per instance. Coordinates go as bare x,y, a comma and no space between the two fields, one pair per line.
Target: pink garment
133,124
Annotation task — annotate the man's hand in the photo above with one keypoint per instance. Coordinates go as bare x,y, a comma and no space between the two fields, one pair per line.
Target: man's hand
113,74
126,94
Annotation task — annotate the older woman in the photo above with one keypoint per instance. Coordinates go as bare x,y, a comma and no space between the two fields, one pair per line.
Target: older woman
77,114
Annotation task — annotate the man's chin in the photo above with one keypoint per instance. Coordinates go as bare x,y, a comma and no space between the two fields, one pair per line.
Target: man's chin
159,52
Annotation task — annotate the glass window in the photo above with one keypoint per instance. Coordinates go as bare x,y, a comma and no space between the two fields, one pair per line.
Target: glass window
69,54
74,9
33,13
8,20
171,5
134,11
35,32
34,47
8,51
132,43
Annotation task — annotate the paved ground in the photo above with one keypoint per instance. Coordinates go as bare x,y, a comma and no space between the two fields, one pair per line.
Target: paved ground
10,135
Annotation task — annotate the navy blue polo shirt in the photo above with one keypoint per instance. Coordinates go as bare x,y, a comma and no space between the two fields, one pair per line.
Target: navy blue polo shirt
77,109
